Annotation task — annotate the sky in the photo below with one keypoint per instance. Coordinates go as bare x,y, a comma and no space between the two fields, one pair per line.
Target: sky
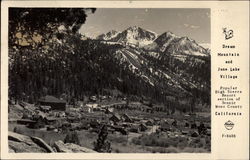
193,23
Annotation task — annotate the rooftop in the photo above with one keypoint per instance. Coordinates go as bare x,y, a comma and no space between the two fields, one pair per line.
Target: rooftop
51,99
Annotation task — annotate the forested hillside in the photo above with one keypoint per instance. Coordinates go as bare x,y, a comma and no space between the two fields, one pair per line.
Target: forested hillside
45,59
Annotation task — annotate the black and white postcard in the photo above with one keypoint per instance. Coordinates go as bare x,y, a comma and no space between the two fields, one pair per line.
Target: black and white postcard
124,80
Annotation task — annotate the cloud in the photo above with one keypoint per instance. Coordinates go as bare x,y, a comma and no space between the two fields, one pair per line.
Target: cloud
191,26
194,27
205,45
139,19
91,27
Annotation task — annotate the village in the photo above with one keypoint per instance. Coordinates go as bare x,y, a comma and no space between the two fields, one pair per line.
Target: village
133,126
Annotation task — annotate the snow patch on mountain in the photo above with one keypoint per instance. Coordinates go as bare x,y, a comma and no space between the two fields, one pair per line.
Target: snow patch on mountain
205,45
108,36
154,54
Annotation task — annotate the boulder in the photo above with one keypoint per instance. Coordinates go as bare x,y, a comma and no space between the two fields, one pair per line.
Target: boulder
15,111
20,138
21,143
20,147
11,150
71,148
42,144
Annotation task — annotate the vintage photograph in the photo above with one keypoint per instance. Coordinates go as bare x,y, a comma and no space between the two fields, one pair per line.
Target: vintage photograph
109,80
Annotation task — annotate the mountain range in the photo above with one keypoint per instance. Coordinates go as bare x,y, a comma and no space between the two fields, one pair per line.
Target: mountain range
166,42
177,63
136,62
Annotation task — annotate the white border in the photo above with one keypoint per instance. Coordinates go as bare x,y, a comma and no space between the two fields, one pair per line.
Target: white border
213,5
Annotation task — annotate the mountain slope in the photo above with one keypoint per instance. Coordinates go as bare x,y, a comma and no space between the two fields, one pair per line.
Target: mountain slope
172,44
172,63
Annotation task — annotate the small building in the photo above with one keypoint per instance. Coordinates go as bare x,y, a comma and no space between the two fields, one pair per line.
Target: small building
193,125
51,120
76,126
71,119
147,103
174,123
90,107
109,110
194,134
143,127
126,118
45,108
37,115
120,129
27,115
134,128
95,124
93,99
79,104
103,97
165,127
185,132
149,123
115,118
85,125
186,124
25,121
60,114
39,123
51,128
53,102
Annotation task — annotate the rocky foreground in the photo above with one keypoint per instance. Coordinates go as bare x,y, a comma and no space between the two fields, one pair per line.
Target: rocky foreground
19,143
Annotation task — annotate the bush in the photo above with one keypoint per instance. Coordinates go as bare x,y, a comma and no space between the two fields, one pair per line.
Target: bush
117,151
182,145
72,137
102,144
163,144
117,139
136,141
171,150
158,141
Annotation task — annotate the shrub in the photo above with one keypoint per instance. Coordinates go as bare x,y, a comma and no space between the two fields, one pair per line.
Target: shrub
158,141
101,144
171,150
136,141
72,137
117,151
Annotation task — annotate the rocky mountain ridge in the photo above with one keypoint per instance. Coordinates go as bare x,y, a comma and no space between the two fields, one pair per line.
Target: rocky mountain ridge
166,42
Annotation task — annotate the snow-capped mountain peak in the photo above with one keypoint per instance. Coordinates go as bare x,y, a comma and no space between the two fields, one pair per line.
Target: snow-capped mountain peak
134,28
166,37
131,36
169,34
